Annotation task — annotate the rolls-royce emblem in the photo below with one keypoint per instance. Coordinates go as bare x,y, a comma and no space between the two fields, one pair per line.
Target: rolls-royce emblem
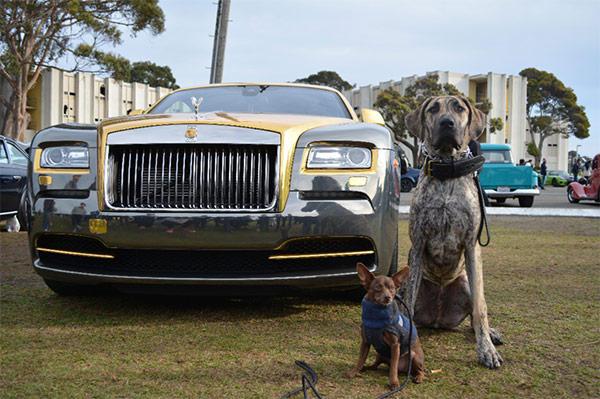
191,133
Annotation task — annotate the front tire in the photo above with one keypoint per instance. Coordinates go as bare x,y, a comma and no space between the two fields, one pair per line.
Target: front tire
406,185
571,197
554,183
394,261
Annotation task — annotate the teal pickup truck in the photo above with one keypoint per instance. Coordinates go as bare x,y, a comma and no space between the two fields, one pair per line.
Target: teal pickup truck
502,179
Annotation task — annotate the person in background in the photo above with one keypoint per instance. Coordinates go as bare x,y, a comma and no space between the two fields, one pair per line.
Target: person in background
587,171
529,163
543,172
575,169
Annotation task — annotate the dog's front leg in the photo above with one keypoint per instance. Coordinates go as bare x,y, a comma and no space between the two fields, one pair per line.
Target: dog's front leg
392,340
410,289
488,355
362,356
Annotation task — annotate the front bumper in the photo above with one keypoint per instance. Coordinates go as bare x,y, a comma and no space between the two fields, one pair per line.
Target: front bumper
313,243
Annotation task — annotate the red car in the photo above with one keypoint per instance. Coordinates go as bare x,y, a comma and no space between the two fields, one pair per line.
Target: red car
591,190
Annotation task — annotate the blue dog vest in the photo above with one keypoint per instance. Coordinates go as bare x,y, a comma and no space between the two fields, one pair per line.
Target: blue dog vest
376,319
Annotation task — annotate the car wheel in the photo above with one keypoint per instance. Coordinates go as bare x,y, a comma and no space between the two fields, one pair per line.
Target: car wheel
598,195
570,196
526,202
554,183
500,200
23,212
406,185
66,289
394,261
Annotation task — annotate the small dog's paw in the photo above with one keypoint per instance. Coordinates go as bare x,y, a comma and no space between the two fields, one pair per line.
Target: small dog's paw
418,378
352,374
490,358
496,337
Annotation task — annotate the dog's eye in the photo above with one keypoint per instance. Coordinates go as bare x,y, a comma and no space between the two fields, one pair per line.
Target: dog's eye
460,108
434,108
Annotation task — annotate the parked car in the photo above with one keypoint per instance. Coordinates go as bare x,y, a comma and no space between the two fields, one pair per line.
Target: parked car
13,180
502,179
558,178
409,180
577,191
214,187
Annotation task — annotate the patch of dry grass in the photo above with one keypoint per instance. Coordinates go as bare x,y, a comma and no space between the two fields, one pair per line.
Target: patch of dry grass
542,280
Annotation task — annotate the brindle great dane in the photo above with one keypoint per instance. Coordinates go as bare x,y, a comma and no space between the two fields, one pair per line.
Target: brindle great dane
446,282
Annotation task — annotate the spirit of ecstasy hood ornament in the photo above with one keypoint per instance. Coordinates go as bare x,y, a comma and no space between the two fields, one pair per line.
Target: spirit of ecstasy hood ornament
196,103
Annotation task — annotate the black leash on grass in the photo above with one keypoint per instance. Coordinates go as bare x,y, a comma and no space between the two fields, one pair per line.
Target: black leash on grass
483,214
308,383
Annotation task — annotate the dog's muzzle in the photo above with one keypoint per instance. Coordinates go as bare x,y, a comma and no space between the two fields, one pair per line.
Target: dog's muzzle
446,136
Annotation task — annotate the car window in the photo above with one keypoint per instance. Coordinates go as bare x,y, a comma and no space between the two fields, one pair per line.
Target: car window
256,99
16,155
3,155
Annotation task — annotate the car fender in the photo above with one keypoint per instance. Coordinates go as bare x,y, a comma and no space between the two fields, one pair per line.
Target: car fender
578,190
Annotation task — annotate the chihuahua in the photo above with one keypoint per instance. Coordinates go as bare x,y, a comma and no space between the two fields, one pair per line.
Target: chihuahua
386,328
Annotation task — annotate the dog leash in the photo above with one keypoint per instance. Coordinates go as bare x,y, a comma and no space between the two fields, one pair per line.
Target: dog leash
483,214
308,383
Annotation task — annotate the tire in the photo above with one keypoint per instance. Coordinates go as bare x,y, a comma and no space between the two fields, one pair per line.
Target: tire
394,262
554,183
526,202
406,185
23,212
570,196
598,195
65,289
500,200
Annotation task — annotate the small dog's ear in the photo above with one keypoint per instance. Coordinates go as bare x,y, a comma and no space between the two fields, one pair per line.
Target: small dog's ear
476,119
401,276
415,120
364,274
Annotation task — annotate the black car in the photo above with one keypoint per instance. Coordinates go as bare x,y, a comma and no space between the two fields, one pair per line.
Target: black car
13,180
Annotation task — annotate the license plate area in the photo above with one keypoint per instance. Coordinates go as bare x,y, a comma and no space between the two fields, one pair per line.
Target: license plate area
503,189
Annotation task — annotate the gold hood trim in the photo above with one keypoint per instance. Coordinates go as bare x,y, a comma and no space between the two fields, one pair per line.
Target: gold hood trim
290,127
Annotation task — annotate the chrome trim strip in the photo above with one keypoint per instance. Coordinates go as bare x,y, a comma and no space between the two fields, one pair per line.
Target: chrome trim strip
191,279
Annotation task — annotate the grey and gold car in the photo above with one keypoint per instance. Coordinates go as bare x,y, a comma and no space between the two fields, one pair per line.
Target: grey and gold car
216,189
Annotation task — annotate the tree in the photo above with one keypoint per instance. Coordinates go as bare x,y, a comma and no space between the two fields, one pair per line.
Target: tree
395,107
327,78
153,75
552,109
37,33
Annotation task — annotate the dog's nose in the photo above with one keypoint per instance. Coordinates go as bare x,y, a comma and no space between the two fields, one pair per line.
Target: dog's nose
447,122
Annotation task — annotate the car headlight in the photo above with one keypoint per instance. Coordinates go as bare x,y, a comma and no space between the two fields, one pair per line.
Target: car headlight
339,157
65,157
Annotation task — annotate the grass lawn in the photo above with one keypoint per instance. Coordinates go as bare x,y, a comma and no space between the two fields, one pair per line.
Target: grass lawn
542,285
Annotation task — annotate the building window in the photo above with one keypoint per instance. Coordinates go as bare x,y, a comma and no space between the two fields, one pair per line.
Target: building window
480,92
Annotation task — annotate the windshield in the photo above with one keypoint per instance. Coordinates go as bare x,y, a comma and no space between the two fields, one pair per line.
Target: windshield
255,98
497,156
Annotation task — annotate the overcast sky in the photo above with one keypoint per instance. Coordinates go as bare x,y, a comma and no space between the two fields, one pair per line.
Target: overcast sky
372,41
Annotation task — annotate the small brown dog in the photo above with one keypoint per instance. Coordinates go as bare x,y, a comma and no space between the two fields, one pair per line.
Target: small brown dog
384,327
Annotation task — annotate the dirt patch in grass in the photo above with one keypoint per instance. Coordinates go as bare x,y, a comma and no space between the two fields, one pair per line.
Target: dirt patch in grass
542,280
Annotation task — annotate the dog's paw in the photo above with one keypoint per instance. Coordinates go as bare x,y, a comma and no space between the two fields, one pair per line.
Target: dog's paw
496,337
394,385
418,378
490,358
353,373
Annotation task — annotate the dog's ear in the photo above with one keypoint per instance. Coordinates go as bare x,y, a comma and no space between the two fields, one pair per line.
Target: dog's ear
364,274
476,119
401,276
415,120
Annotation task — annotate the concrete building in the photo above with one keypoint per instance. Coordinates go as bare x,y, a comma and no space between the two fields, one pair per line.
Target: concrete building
60,97
508,95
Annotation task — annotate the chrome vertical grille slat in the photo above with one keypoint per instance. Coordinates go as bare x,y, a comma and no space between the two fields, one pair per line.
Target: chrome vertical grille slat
215,177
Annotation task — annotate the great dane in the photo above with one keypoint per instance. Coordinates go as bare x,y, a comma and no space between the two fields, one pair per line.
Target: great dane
446,282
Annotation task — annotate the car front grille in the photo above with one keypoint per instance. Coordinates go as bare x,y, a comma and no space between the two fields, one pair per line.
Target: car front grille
217,177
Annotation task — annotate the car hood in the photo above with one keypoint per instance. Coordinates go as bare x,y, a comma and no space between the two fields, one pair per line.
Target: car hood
280,123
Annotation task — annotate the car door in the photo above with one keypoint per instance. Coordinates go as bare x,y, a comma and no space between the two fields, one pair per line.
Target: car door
13,177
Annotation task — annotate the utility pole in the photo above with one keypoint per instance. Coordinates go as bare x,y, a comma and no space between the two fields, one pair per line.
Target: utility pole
218,59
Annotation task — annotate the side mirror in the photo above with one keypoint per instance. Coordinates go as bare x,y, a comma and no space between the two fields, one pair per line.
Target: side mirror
136,112
372,116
